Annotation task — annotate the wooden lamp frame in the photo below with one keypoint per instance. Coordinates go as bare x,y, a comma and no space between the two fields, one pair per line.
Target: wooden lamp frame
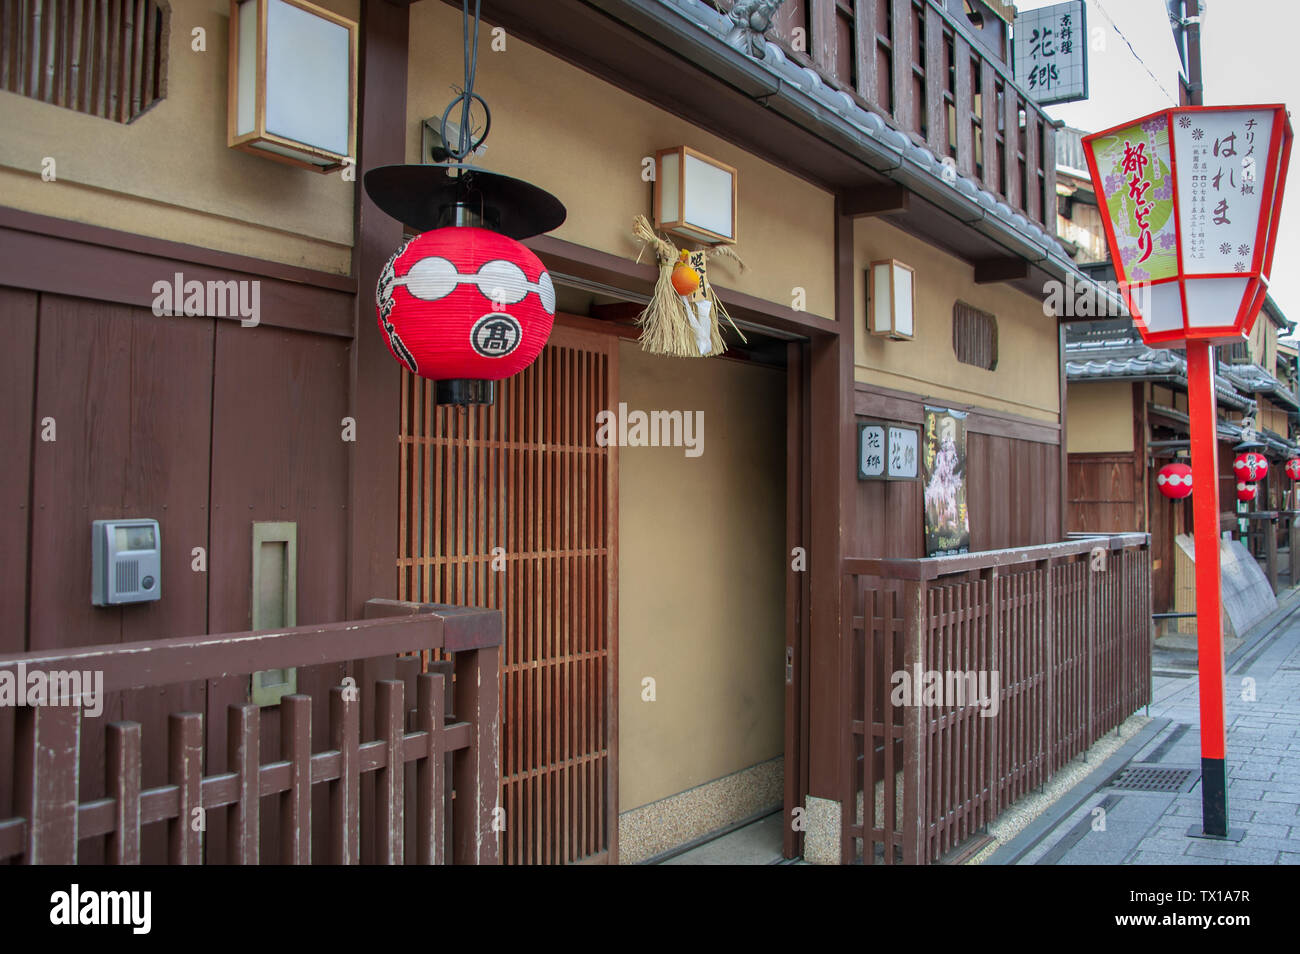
248,141
678,225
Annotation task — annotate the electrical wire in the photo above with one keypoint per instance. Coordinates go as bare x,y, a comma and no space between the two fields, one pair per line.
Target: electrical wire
1114,26
465,141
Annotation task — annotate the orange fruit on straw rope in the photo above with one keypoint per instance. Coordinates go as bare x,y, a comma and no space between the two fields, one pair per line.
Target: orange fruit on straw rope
685,279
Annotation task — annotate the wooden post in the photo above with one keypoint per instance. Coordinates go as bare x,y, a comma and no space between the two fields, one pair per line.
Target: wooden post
1293,544
916,719
1270,551
995,665
123,786
295,804
476,769
185,771
48,753
1049,671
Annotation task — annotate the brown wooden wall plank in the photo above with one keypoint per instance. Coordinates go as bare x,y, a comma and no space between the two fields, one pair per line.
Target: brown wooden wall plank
936,82
903,43
964,95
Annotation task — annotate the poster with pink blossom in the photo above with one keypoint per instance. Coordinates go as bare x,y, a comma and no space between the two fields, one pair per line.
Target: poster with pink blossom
947,522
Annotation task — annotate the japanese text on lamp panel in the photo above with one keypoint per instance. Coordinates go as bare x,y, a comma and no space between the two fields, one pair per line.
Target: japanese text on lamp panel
1219,201
1219,156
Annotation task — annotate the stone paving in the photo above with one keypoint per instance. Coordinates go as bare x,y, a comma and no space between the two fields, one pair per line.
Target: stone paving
1119,826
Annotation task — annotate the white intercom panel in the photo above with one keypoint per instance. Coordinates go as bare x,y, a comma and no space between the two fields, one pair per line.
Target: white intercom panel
126,561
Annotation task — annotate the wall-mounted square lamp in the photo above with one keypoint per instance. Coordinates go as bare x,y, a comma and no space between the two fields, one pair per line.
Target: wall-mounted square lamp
890,299
293,83
695,196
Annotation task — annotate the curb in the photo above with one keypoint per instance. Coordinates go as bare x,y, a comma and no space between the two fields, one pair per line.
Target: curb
1068,804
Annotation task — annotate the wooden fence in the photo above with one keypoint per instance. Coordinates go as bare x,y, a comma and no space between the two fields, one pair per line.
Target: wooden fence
1064,628
413,759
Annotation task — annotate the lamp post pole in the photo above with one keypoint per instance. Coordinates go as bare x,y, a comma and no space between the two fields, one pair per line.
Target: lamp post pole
1209,598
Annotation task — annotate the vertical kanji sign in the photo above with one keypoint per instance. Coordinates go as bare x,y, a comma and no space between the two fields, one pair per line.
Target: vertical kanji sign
1050,52
1190,199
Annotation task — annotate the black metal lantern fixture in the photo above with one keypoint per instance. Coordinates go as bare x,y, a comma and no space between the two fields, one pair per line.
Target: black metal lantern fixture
433,315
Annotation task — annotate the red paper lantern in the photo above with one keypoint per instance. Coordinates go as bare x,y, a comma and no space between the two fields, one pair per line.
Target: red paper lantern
465,303
1293,468
1245,492
1175,481
1250,466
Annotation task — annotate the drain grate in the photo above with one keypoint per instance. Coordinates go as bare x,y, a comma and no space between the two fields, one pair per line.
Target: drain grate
1154,778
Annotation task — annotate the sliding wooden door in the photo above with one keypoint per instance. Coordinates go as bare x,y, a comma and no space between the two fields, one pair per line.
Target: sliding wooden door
514,506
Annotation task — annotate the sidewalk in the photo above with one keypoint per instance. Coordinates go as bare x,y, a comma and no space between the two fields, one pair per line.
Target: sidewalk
1137,807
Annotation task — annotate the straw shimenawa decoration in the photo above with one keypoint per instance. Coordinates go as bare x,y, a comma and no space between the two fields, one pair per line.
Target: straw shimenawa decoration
682,317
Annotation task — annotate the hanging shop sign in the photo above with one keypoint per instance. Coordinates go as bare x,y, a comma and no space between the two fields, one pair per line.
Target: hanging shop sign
1175,480
888,451
947,521
1050,51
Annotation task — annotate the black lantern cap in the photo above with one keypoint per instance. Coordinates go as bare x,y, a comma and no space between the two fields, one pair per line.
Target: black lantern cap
426,197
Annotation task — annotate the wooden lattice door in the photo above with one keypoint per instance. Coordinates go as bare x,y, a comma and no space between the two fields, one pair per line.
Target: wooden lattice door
514,506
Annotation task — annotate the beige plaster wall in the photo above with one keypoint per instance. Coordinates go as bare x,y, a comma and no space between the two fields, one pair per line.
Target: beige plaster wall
584,140
1099,418
1026,379
701,577
169,174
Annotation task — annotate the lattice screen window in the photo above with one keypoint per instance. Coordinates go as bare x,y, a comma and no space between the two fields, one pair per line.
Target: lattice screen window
107,58
974,336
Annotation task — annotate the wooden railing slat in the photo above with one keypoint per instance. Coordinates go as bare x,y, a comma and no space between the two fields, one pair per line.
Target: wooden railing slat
243,820
295,804
48,757
390,787
123,785
185,771
345,792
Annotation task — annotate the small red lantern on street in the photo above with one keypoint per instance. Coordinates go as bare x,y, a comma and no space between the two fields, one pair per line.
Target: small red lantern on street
1250,466
1293,468
465,303
1245,492
1175,480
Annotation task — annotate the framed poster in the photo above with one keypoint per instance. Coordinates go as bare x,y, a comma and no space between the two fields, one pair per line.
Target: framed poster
947,522
888,451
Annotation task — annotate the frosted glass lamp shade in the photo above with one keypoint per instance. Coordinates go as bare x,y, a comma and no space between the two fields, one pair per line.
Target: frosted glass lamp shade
695,196
293,83
890,297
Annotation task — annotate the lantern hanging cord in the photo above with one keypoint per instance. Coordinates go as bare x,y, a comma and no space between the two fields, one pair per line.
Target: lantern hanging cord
465,141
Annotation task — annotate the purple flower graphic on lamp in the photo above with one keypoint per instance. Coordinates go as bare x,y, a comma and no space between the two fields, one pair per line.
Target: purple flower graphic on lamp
1164,191
1184,122
1243,249
1225,249
1167,240
1239,267
1198,134
1154,125
1114,183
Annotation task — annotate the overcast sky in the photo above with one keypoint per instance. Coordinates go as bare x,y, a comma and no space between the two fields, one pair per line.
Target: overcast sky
1248,55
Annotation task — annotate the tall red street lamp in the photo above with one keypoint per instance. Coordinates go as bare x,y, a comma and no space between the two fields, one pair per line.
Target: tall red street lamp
1191,203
